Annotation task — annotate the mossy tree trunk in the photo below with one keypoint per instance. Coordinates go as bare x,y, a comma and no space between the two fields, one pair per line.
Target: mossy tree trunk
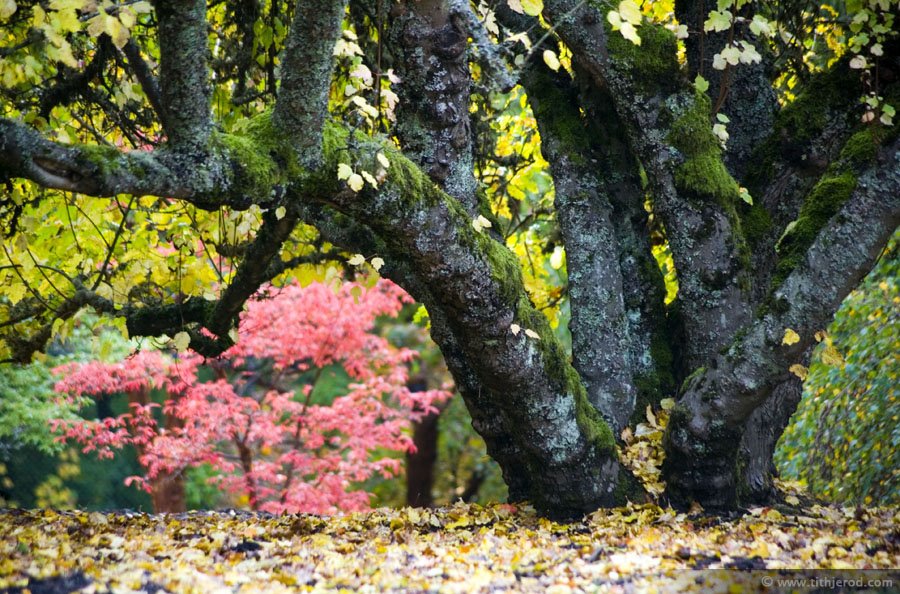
624,129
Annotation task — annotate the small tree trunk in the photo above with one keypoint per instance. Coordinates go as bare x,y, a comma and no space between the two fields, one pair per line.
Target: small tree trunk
420,464
168,494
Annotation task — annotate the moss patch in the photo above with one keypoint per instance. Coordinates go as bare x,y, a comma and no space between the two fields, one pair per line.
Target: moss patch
653,65
703,173
755,222
591,423
822,203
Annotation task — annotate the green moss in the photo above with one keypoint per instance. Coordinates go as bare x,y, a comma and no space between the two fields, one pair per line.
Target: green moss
755,222
629,489
822,203
653,65
595,429
558,111
687,381
703,173
107,159
861,149
802,121
805,117
592,424
255,172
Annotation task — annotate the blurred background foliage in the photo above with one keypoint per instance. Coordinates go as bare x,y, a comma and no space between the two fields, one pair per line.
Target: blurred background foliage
844,439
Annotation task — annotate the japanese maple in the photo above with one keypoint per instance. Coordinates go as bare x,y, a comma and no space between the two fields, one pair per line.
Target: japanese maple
253,419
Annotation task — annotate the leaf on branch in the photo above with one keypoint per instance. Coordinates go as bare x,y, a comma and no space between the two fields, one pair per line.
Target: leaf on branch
356,260
344,171
551,60
280,212
377,263
701,84
369,178
732,55
7,9
355,182
480,223
515,329
531,333
790,337
383,160
630,12
181,341
532,7
718,21
799,370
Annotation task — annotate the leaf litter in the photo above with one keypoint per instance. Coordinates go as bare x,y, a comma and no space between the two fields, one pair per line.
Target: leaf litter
462,548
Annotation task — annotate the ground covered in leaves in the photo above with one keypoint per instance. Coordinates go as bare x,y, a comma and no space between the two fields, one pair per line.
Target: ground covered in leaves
639,548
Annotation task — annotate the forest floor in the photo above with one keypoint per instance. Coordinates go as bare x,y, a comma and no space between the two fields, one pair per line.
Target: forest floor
463,548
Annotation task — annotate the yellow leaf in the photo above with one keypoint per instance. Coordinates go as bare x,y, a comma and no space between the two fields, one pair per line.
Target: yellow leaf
480,223
377,263
629,32
280,212
355,182
630,12
790,337
799,370
7,9
356,260
181,341
551,60
344,171
831,356
532,7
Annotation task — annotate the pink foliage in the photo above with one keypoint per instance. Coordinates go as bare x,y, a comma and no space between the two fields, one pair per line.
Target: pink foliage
254,422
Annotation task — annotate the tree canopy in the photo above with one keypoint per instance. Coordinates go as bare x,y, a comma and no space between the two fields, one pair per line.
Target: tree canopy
601,206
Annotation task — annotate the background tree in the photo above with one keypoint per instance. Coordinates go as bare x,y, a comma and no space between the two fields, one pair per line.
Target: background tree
257,420
236,144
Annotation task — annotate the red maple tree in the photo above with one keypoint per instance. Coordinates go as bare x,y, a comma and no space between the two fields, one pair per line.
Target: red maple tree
250,414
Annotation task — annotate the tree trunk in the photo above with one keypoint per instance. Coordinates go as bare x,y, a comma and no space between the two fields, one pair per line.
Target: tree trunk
764,428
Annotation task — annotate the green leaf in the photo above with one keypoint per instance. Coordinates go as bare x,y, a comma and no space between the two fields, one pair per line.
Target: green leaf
701,84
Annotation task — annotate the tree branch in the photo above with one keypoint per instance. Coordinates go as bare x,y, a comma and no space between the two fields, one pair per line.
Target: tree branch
183,71
433,113
706,425
88,169
600,338
306,68
669,129
145,77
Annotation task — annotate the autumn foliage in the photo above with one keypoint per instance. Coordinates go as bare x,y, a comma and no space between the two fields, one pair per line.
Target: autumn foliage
252,414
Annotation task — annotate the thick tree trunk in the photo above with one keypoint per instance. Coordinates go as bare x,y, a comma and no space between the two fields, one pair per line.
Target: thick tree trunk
764,428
